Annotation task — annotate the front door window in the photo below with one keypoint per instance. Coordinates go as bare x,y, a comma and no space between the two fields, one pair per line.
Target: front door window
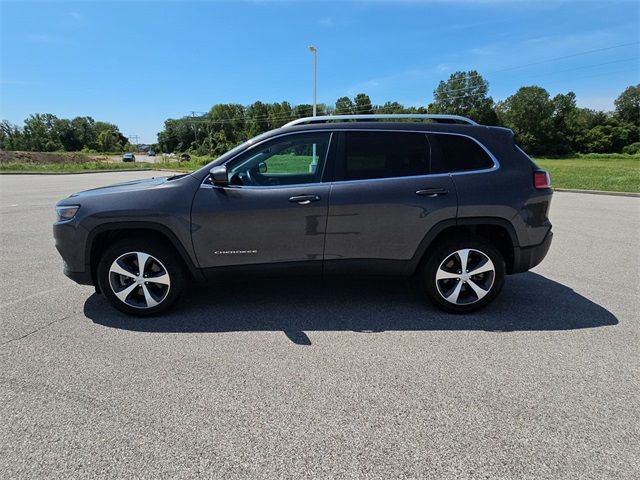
289,160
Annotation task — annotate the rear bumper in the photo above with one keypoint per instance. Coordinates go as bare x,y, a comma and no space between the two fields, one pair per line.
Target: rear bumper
528,257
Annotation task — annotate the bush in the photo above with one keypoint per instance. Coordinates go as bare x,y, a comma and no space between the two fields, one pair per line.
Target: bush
633,149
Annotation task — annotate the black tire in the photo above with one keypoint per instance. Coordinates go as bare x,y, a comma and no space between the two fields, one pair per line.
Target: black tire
437,289
165,260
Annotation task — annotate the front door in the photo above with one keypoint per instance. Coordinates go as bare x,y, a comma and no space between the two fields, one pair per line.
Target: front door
273,211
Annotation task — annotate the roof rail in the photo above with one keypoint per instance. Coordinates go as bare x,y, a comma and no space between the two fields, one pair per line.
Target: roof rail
382,116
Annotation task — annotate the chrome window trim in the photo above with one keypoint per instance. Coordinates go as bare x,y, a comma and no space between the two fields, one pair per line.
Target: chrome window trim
496,163
386,179
267,187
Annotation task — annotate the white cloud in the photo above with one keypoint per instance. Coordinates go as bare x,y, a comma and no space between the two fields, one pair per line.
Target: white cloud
327,22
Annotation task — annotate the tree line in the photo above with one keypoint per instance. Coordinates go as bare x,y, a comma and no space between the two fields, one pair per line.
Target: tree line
543,125
44,132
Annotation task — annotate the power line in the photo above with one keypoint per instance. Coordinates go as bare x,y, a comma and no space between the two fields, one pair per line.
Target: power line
284,117
586,52
552,59
553,73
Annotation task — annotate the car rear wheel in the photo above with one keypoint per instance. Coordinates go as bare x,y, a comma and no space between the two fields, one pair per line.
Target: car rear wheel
140,278
464,275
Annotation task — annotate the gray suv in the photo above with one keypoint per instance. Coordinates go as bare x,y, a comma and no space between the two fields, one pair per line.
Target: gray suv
453,204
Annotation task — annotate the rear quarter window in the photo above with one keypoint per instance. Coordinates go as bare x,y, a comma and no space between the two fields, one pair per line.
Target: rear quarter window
456,153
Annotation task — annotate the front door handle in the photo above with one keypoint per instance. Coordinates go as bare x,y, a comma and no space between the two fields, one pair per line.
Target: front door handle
304,199
432,192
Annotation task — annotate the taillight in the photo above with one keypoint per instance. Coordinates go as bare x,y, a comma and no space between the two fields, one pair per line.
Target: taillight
541,180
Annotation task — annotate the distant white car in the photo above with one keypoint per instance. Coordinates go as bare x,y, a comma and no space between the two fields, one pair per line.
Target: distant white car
128,157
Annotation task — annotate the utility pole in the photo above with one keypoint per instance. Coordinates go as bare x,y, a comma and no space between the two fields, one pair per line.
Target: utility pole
194,116
314,53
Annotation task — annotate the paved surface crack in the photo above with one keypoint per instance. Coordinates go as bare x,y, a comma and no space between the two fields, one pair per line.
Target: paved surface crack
35,331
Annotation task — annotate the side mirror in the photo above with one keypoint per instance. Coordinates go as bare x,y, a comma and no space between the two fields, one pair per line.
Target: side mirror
219,176
262,167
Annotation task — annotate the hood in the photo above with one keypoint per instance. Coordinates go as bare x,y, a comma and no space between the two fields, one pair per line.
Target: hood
122,187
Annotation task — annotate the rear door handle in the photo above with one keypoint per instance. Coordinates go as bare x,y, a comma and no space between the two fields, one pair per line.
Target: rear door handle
432,192
304,199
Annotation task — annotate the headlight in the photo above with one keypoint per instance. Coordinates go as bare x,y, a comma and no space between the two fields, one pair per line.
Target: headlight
66,212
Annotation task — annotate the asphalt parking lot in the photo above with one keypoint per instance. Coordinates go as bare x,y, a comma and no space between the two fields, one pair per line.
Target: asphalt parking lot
293,379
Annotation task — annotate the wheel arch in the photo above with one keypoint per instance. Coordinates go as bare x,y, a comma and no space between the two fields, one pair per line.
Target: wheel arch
103,235
498,231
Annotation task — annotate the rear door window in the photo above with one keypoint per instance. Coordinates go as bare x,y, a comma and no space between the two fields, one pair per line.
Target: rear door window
456,153
376,154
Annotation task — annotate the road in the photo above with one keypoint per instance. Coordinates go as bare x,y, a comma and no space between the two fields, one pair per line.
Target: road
356,379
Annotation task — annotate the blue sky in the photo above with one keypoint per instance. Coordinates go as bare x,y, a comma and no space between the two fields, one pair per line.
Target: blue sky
137,63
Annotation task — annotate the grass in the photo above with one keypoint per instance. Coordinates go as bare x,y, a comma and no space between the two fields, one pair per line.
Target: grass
607,172
289,163
14,167
96,167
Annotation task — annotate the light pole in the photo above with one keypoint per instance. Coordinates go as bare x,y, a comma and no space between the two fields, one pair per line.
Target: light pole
314,52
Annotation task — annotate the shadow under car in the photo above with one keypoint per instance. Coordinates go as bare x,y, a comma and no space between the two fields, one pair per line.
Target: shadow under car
528,302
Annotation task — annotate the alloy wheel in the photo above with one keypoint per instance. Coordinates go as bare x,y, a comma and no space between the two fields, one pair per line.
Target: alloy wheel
139,280
465,276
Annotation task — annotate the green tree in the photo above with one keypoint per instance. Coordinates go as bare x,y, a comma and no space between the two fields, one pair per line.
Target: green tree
344,106
257,119
279,114
108,140
628,105
68,135
391,108
466,94
303,110
528,113
85,131
40,132
119,140
565,128
363,104
11,137
177,136
230,119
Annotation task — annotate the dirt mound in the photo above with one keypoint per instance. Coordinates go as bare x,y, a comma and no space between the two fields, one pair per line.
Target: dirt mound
42,158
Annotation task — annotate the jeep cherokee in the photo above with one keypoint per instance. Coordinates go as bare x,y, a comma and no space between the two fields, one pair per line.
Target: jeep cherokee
455,204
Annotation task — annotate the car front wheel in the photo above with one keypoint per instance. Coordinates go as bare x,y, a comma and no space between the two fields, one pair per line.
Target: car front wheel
140,278
464,275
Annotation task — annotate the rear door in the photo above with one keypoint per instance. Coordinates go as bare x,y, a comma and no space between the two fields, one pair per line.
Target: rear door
383,201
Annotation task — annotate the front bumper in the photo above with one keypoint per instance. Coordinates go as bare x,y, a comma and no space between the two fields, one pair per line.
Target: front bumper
70,241
83,278
525,258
